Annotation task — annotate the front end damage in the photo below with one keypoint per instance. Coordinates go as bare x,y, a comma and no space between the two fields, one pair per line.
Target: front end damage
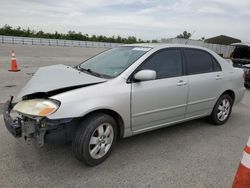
42,129
35,104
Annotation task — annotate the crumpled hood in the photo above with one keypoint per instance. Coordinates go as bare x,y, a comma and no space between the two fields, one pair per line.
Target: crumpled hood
51,78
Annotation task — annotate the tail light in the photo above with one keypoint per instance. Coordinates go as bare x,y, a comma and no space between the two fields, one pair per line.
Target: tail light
244,75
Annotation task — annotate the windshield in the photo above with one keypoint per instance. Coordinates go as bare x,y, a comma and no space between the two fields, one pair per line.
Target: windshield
112,62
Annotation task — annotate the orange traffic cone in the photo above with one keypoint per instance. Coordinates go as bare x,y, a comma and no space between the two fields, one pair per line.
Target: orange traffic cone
242,178
13,64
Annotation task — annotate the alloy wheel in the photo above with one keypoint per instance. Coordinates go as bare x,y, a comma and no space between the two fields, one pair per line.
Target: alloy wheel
223,109
101,140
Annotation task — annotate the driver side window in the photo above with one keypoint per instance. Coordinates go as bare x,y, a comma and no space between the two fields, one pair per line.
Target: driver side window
166,63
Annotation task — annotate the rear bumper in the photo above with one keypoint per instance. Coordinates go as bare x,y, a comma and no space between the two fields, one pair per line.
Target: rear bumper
43,131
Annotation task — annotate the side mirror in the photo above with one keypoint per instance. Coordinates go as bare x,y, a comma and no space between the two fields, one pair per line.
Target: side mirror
145,75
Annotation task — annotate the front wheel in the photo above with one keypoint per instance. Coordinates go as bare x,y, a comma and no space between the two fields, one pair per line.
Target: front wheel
94,139
222,110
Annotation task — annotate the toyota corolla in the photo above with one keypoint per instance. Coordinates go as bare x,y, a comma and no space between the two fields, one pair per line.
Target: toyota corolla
122,92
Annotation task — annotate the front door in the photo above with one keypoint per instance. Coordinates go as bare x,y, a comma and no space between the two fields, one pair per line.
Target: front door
157,102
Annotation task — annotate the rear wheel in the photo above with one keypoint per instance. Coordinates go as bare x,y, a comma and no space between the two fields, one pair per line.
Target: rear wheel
94,139
222,110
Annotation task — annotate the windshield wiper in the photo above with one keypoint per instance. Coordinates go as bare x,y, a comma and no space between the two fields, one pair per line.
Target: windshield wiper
94,73
89,71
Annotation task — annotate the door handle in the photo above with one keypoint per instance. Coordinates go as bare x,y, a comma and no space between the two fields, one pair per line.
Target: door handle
181,83
218,77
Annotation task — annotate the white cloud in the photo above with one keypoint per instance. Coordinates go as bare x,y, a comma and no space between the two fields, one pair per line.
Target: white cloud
147,19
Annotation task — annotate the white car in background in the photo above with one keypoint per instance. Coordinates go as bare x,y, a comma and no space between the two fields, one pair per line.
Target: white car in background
123,92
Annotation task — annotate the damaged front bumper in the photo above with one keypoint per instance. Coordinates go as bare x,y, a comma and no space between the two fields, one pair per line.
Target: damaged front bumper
14,126
43,130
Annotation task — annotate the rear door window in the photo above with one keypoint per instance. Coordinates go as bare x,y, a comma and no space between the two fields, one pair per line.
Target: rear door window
216,65
198,61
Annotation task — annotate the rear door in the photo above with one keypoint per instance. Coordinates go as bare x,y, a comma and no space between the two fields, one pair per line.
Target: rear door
157,102
205,80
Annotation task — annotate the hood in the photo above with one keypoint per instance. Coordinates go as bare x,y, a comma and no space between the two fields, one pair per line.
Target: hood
57,77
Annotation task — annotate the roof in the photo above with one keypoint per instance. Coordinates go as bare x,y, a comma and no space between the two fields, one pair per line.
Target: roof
222,39
164,45
240,44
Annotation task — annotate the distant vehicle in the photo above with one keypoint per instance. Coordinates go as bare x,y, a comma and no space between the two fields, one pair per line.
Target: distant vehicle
123,92
241,58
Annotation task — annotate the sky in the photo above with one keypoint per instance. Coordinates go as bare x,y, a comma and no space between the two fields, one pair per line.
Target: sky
145,19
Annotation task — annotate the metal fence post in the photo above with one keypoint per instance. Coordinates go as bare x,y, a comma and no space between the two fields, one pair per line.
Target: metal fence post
12,40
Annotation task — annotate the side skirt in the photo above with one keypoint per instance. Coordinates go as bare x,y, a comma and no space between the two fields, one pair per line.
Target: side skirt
168,124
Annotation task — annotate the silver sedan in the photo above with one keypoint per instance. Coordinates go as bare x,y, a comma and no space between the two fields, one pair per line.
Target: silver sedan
123,92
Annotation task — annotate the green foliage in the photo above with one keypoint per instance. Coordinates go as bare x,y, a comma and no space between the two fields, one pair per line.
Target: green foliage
71,35
184,35
155,41
202,38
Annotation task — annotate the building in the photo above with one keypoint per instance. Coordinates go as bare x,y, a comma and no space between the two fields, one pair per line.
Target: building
223,40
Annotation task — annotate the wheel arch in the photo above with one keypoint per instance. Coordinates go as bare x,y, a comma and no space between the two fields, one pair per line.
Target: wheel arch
212,118
230,93
112,113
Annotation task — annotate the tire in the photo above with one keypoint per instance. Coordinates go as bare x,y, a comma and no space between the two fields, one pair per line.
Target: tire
94,139
222,110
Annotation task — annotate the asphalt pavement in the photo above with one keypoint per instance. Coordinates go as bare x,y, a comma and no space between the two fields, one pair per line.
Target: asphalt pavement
193,154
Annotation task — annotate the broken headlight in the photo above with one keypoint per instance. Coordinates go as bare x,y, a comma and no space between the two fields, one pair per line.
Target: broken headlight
37,107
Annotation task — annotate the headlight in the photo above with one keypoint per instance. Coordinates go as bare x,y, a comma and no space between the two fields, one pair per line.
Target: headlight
36,107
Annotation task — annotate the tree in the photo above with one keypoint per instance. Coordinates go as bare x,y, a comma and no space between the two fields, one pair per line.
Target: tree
184,35
57,35
119,39
40,34
131,40
71,35
155,41
202,38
